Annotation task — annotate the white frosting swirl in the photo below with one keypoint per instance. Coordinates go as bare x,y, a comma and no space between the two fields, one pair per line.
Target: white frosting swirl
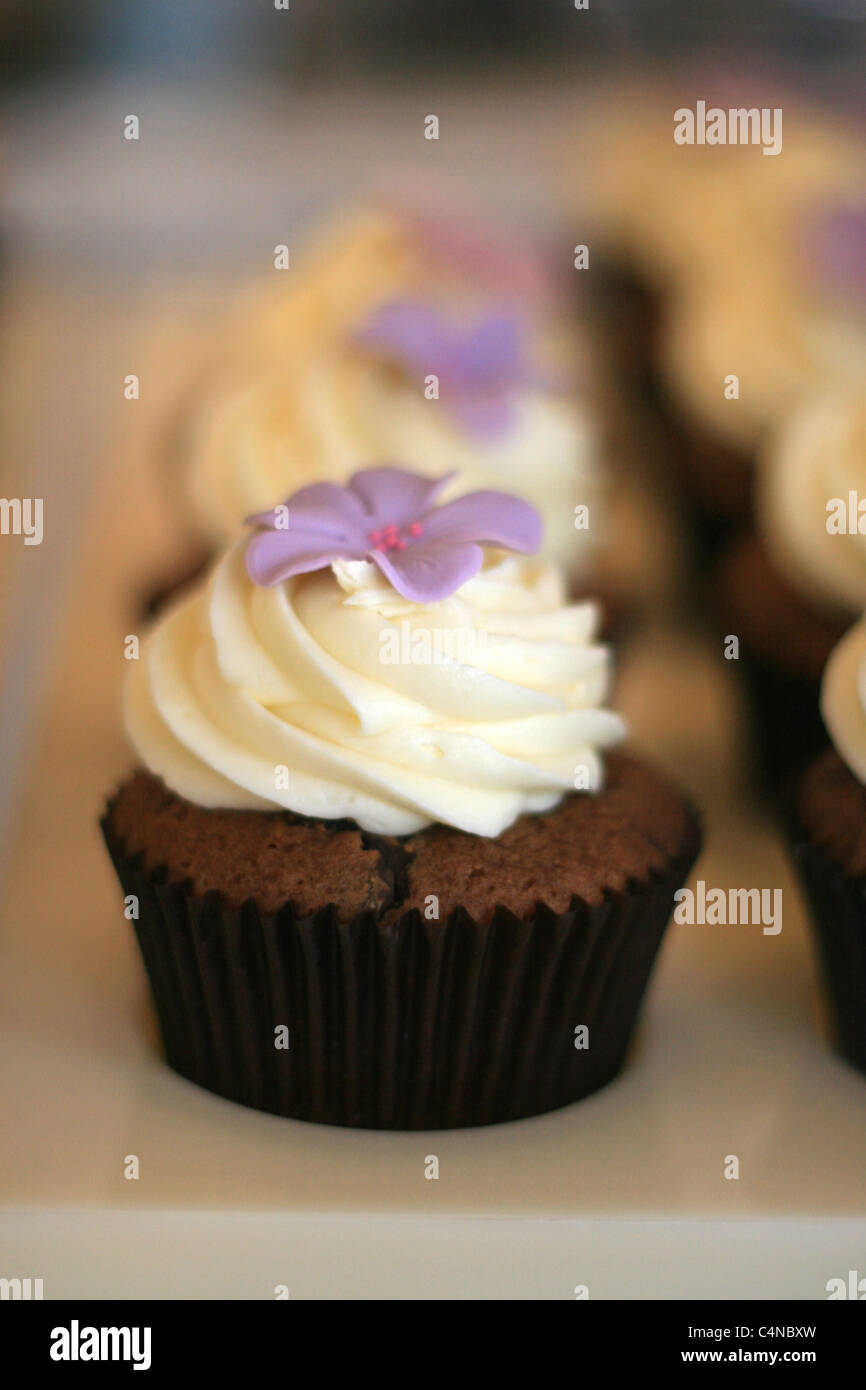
843,698
818,459
332,696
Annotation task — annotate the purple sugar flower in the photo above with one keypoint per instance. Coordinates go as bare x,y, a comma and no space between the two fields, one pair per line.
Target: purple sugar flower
480,366
388,515
836,245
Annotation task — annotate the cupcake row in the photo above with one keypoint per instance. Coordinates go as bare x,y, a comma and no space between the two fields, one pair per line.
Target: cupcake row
736,284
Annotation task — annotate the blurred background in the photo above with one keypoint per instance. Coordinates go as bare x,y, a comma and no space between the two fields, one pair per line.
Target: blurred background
251,111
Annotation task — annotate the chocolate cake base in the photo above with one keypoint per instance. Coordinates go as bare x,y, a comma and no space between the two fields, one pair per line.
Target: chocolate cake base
434,981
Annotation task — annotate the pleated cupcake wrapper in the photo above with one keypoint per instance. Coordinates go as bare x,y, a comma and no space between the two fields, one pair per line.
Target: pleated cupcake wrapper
838,903
411,1025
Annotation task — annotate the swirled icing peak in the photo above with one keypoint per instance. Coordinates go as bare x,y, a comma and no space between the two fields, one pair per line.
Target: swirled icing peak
332,696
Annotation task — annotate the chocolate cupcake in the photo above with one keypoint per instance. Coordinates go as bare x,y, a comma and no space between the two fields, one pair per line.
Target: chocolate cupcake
369,893
791,589
828,831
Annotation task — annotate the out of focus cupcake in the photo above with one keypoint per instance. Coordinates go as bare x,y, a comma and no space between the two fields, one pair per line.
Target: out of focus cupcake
399,336
829,841
388,874
782,318
718,254
791,587
674,218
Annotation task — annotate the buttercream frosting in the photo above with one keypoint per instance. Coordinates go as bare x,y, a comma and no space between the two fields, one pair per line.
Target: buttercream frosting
331,696
806,512
843,698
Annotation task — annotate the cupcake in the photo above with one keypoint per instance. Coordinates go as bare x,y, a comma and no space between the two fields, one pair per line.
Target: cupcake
658,215
671,219
786,319
399,336
790,588
717,247
387,872
828,830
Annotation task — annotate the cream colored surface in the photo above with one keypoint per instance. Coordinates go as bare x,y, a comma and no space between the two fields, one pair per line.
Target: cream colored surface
231,1255
731,1055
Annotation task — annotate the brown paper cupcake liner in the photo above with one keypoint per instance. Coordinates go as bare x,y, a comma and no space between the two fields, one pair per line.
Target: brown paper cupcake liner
412,1024
838,903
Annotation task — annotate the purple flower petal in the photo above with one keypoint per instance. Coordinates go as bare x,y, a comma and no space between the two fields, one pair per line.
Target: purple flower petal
409,331
416,335
427,573
323,509
489,518
388,515
489,416
485,359
836,245
394,495
273,556
492,351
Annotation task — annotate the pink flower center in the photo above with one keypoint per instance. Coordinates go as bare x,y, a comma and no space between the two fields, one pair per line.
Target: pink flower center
390,538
